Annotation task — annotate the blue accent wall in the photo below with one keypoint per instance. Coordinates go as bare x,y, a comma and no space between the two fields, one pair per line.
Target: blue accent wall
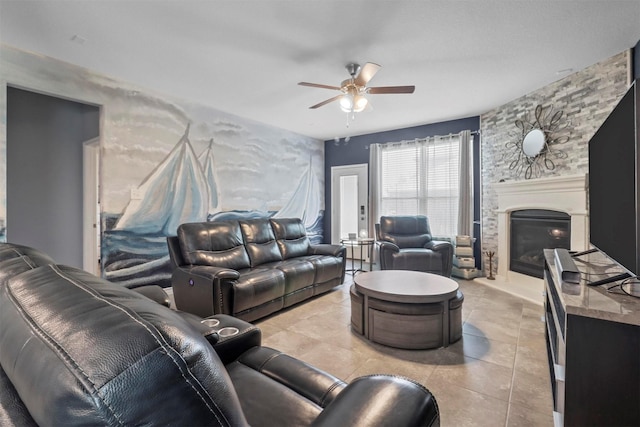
636,61
356,151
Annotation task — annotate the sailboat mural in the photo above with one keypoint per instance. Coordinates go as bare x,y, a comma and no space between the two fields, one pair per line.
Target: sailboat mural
176,191
183,188
208,167
305,201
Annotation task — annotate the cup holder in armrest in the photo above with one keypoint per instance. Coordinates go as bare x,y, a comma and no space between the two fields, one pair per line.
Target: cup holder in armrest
229,336
210,323
218,330
228,331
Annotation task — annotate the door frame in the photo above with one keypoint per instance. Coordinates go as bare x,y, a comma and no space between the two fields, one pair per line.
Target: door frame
91,206
362,170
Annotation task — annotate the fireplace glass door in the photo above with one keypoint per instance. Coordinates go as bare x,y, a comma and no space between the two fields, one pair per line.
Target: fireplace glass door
533,230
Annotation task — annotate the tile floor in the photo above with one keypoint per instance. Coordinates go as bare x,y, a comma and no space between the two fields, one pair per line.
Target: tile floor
496,375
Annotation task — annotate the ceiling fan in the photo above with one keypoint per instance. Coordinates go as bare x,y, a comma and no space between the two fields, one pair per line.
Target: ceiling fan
354,90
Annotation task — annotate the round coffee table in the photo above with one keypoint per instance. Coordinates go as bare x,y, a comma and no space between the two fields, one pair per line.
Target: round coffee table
406,309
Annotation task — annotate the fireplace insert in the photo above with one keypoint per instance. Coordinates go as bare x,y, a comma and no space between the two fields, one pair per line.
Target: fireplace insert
533,230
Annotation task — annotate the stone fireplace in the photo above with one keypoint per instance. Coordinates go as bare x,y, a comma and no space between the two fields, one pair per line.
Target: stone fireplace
530,232
564,194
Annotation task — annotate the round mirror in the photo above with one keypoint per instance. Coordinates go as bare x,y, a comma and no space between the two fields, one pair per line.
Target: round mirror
533,142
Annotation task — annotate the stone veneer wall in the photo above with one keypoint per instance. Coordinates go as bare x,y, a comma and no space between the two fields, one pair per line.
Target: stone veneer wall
586,97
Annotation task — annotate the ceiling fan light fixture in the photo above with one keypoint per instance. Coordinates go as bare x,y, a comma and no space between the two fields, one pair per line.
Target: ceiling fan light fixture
346,103
353,98
353,101
360,103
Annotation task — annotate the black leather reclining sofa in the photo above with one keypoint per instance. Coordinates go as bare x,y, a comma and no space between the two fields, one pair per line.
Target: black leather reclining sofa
250,268
78,350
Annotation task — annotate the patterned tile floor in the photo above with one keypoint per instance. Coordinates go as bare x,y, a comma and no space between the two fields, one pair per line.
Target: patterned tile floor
496,375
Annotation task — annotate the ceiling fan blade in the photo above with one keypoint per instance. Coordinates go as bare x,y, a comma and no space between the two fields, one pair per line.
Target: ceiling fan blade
325,102
319,85
391,89
366,73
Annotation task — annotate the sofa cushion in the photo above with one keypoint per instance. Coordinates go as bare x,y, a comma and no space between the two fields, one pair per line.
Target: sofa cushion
298,274
14,266
15,259
257,286
260,241
217,243
12,250
405,231
291,237
13,413
327,267
415,259
80,349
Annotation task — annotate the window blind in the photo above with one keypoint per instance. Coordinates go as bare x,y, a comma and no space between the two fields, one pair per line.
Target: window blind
422,177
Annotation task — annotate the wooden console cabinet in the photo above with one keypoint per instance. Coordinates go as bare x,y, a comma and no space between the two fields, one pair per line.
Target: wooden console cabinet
593,346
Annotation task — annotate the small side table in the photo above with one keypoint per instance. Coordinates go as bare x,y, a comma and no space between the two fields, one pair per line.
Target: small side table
361,243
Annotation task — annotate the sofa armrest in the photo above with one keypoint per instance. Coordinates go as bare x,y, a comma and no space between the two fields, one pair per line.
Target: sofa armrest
439,246
381,400
386,251
445,249
230,347
203,290
313,384
326,249
154,293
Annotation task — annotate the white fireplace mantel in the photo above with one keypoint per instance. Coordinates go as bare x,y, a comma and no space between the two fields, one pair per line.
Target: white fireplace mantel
566,194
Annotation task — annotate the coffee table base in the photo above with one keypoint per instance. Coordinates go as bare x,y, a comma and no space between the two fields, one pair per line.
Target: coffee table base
406,325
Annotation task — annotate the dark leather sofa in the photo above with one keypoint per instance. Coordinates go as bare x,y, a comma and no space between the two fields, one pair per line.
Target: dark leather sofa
78,350
250,268
406,243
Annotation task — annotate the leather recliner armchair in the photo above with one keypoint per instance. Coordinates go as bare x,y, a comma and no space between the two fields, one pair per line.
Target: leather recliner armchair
406,243
78,350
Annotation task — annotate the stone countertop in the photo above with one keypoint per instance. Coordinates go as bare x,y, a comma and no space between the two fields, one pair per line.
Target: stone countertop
596,301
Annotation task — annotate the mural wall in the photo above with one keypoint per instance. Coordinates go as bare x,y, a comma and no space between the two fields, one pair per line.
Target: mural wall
166,161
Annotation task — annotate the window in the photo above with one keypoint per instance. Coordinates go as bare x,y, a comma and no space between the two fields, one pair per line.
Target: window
422,177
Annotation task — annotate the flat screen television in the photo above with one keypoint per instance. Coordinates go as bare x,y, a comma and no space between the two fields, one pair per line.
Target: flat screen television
614,186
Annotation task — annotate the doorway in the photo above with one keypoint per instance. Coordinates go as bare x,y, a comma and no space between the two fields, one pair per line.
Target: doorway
349,201
45,137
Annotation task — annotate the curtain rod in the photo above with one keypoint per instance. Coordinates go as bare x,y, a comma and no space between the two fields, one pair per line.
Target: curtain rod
475,132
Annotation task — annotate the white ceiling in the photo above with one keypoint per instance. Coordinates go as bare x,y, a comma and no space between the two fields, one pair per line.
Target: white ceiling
246,57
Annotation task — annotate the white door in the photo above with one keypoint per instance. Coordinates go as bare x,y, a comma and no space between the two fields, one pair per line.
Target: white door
91,207
349,203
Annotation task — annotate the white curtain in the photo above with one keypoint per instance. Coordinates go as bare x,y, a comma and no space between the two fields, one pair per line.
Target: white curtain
423,176
465,207
374,187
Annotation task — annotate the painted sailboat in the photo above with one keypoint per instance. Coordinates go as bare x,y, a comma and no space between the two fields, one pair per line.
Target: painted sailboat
176,191
305,201
208,167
